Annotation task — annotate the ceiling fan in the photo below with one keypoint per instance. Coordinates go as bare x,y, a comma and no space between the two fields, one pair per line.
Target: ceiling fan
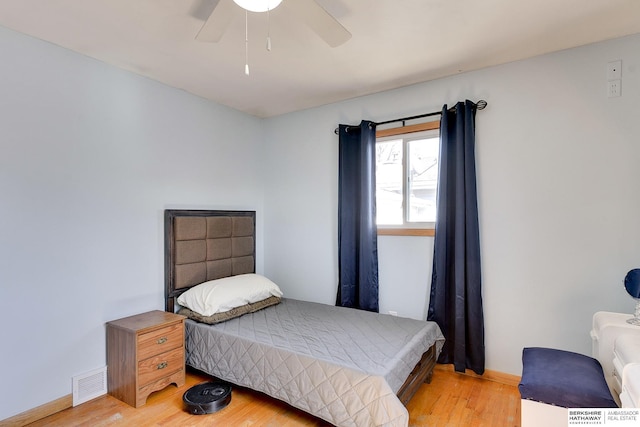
308,11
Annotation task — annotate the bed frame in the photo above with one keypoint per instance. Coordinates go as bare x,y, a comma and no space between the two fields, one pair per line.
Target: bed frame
202,245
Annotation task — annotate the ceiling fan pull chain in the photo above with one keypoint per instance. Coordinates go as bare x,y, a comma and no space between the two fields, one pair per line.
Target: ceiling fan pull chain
246,42
269,30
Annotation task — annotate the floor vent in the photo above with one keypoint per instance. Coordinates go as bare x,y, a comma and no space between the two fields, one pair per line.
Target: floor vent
89,385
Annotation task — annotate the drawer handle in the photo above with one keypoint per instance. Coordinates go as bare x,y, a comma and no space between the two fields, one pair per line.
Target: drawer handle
162,365
162,340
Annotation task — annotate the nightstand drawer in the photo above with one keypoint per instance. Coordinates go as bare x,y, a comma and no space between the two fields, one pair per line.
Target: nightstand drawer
159,341
160,366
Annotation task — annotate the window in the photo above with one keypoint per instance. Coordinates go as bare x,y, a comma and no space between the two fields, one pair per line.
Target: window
407,179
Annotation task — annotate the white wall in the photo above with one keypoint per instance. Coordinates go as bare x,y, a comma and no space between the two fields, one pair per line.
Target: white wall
558,179
404,273
90,156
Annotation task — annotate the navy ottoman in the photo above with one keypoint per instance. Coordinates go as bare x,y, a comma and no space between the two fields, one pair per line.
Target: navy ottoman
563,378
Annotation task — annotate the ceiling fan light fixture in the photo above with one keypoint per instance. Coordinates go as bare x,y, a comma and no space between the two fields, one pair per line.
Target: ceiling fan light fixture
258,5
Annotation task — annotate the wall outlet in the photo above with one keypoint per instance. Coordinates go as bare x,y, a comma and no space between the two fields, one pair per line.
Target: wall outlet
614,88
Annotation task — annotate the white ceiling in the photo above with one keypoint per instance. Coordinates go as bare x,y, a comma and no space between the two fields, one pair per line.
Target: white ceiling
393,44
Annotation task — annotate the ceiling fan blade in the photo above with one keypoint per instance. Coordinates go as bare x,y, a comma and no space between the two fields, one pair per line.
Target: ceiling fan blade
217,23
320,21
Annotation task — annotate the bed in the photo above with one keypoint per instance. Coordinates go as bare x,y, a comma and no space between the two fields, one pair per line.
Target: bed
348,367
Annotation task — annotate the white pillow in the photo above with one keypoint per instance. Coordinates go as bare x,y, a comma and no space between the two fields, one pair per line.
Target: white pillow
217,296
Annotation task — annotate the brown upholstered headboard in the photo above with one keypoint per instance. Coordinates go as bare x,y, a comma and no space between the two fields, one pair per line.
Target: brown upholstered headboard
202,245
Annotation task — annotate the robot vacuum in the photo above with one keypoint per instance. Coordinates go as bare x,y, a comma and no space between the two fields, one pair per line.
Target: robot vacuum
207,398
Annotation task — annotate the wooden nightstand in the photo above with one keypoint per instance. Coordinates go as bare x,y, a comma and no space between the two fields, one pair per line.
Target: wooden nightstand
145,353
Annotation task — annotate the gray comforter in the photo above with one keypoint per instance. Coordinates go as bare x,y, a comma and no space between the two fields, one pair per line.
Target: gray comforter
342,365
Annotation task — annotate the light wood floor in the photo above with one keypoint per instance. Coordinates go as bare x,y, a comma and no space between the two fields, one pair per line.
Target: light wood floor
450,400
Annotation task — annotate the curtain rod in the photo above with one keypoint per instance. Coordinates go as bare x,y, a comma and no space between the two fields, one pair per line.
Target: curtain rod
480,105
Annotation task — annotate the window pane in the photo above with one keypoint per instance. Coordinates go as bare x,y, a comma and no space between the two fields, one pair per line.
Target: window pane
389,173
423,179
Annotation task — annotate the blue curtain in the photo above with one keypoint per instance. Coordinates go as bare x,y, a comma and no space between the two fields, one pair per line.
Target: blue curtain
456,295
357,233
